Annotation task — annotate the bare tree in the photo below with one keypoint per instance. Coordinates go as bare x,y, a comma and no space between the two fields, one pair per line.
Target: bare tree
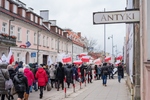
91,44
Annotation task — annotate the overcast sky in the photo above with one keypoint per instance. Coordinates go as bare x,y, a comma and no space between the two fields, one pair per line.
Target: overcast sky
77,15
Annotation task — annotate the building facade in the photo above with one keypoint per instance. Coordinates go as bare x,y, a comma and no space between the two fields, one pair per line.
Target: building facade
45,37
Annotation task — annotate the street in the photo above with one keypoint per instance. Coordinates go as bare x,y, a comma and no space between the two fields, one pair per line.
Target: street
92,91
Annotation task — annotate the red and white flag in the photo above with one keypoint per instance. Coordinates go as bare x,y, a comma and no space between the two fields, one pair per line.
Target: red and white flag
85,58
67,59
107,59
10,58
77,62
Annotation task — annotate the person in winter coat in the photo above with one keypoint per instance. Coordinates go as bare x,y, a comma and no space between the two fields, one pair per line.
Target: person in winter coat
120,72
99,72
42,79
20,84
60,76
47,72
104,71
52,75
20,65
74,71
12,73
68,74
82,70
89,73
4,75
30,77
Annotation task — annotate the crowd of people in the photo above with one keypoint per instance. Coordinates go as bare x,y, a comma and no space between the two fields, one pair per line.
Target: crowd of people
29,77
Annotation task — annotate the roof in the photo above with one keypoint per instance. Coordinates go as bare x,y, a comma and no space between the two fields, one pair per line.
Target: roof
21,18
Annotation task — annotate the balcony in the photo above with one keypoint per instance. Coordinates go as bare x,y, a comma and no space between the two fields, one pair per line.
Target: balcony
7,40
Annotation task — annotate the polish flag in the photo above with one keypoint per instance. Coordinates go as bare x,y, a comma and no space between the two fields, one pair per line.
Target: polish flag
85,58
77,62
97,61
66,59
82,54
10,58
107,59
119,58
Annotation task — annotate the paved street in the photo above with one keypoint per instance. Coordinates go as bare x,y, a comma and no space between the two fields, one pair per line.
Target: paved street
94,91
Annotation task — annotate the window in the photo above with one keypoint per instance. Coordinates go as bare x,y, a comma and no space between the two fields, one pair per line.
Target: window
12,29
35,39
27,35
52,43
36,19
62,45
4,27
39,40
18,56
19,34
6,4
23,13
56,29
43,40
56,45
15,9
47,42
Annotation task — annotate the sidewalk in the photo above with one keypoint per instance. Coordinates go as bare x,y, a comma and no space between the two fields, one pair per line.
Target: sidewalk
96,91
92,91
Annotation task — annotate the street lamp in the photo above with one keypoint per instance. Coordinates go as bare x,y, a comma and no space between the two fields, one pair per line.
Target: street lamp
116,48
112,44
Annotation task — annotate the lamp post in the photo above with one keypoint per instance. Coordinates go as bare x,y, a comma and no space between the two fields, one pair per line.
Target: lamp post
112,44
116,49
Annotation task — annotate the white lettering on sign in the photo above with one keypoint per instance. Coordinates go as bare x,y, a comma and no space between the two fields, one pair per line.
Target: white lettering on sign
116,17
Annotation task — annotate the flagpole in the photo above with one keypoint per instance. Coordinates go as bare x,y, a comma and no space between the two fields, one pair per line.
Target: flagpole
104,39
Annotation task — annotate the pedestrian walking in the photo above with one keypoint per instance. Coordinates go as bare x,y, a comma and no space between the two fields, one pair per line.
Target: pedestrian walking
60,76
120,72
89,73
104,70
4,75
98,72
52,75
42,79
20,84
30,77
12,73
68,73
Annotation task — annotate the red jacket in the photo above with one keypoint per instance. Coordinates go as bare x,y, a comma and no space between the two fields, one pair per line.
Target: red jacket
30,77
41,77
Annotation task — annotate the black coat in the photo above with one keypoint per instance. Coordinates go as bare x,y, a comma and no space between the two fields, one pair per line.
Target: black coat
20,82
120,70
105,70
69,73
12,73
60,73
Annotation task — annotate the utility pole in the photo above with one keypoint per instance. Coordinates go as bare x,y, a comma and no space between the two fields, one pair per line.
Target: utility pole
136,56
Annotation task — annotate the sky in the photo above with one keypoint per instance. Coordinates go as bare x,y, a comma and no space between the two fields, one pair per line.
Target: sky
78,16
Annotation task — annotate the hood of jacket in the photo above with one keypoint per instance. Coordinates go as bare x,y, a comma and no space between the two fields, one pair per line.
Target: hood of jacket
40,70
26,70
19,77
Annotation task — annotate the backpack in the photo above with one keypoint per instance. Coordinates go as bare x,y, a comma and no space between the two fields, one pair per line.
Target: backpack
8,83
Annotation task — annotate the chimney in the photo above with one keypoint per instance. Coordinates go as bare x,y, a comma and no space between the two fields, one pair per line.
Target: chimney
79,34
44,14
53,22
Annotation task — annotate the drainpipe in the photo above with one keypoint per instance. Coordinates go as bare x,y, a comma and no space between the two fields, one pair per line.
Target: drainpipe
38,46
9,30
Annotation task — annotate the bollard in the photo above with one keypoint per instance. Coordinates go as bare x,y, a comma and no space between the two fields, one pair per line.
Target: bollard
95,75
88,76
80,79
85,79
65,85
73,82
